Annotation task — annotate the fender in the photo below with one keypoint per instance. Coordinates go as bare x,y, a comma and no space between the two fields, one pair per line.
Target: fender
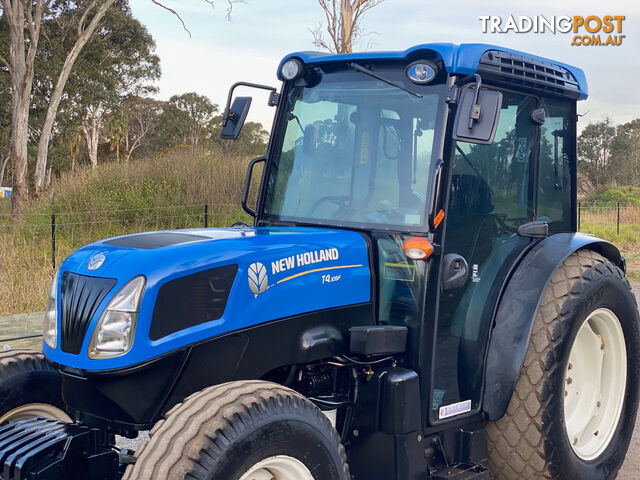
517,311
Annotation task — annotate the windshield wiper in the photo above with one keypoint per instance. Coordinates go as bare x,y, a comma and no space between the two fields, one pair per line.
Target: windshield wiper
362,69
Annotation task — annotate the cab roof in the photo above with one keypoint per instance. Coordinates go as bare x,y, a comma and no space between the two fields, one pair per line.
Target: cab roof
470,58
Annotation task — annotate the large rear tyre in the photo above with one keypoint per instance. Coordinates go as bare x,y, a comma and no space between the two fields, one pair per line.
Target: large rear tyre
29,387
249,430
574,407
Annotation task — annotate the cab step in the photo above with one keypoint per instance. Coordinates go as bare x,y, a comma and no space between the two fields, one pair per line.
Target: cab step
462,472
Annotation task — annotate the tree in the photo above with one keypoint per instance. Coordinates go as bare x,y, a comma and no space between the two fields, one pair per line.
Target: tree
23,47
187,118
118,61
595,154
25,21
141,116
343,24
626,149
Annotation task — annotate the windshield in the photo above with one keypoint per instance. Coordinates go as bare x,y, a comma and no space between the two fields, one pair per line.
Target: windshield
355,151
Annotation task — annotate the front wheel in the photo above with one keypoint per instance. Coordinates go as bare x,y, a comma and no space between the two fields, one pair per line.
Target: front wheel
574,407
249,430
29,387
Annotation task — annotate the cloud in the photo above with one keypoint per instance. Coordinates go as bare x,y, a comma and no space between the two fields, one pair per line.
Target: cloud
250,46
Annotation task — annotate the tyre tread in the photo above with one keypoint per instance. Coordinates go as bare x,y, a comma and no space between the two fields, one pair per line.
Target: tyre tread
209,420
517,446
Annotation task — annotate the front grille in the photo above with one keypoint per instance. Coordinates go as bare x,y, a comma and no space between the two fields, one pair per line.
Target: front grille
532,73
80,296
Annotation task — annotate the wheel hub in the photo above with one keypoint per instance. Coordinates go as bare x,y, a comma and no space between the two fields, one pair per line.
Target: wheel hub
279,467
595,383
31,410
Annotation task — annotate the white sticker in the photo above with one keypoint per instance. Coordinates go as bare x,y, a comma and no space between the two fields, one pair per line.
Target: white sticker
413,218
454,409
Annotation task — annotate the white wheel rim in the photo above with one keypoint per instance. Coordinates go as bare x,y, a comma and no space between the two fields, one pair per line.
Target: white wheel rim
31,410
279,467
595,383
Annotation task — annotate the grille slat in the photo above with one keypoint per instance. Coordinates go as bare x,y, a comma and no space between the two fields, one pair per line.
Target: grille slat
80,296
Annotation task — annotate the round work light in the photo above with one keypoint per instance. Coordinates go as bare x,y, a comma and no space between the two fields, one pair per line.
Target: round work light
291,69
421,72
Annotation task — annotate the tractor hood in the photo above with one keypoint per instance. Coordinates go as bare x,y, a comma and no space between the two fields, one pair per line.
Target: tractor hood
203,283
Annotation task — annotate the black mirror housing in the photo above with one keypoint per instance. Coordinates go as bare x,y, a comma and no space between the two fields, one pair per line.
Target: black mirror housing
233,119
477,116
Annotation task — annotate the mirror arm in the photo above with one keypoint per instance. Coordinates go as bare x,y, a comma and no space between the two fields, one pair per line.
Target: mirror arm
475,108
273,98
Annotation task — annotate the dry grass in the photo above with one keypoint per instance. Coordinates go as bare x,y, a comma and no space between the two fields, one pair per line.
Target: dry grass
169,192
161,193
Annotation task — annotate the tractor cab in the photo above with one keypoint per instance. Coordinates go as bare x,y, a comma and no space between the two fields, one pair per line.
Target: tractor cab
467,152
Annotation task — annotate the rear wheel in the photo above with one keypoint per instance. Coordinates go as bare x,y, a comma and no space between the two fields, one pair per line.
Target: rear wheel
574,407
249,430
29,387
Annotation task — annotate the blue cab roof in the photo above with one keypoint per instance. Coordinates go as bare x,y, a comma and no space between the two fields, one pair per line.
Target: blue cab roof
458,59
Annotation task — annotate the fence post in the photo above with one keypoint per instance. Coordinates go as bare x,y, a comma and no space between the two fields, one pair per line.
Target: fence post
206,215
618,224
579,213
53,241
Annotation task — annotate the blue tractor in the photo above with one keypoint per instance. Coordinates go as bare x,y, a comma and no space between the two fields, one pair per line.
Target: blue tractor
412,302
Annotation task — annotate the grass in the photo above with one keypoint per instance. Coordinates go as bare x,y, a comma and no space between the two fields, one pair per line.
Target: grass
115,199
170,192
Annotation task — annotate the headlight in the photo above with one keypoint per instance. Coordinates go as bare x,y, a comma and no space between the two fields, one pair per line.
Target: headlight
114,333
50,326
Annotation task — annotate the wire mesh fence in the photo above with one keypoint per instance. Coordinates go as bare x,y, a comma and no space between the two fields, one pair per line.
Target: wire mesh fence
607,214
32,247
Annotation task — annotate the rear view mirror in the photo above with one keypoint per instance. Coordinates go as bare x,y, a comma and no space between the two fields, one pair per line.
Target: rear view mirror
233,119
477,115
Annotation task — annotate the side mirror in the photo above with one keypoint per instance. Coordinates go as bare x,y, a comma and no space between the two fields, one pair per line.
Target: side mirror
477,115
233,119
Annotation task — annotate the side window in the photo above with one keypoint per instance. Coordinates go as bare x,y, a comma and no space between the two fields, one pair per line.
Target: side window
503,166
554,178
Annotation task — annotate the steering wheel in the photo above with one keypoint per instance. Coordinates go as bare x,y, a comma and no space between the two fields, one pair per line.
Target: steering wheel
341,201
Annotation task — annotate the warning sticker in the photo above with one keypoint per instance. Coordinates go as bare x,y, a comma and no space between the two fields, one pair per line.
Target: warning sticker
522,149
454,409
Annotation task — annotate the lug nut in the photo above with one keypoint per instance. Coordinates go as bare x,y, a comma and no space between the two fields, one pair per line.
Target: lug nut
569,381
569,367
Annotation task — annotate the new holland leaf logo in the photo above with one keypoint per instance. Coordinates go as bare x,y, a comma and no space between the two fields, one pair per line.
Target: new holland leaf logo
258,280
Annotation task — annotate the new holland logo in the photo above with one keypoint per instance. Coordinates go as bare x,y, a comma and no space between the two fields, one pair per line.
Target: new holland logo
258,280
96,261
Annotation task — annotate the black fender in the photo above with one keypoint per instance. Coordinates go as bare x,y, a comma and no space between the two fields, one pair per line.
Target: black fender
518,308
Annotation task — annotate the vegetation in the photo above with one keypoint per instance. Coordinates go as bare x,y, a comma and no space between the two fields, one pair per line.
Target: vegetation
608,156
113,199
64,64
627,195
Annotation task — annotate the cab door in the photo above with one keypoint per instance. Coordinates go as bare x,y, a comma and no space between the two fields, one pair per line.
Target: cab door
492,193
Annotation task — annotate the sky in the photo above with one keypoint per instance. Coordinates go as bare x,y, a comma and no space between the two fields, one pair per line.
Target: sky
251,44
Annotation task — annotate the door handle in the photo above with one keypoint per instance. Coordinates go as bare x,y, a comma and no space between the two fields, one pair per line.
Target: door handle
455,271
